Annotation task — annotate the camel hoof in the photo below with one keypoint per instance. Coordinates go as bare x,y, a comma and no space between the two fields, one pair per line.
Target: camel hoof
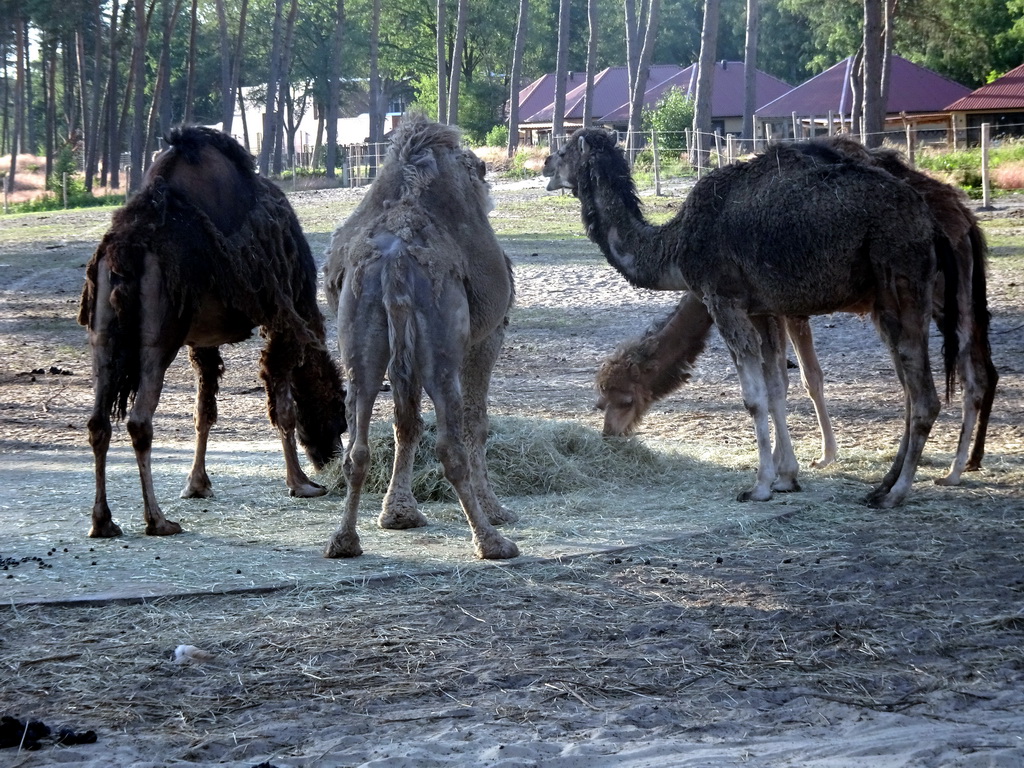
754,495
196,492
165,528
499,515
107,530
498,548
948,480
822,462
786,486
308,490
343,545
398,518
881,498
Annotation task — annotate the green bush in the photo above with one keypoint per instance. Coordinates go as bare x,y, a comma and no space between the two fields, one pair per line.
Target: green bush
497,136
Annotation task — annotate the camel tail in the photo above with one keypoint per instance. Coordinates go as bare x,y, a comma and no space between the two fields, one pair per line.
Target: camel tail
120,332
399,304
949,322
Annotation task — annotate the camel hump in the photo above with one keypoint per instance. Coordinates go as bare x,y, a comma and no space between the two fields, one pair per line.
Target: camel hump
189,141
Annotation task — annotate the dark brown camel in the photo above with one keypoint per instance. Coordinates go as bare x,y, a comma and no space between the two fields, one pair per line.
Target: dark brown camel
202,254
645,370
423,291
790,233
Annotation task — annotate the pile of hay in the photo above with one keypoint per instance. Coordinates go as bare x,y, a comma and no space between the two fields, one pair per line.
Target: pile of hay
525,457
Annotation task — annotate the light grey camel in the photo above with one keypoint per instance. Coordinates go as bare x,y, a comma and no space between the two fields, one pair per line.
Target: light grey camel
797,231
202,254
422,291
644,370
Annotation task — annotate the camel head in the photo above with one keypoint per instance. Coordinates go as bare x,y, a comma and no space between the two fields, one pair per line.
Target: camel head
622,394
564,166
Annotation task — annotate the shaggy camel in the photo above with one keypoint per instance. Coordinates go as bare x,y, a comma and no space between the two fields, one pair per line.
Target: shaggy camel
645,370
422,291
202,254
797,231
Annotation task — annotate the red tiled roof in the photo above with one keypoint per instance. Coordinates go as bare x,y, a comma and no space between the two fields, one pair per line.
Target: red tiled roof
913,89
611,88
727,83
1006,92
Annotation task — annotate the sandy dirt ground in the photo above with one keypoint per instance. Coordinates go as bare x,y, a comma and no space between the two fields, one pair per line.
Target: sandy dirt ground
651,621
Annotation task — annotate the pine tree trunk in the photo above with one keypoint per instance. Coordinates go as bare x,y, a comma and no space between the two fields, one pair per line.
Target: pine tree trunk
442,71
874,110
456,76
705,72
517,69
138,83
750,73
561,74
588,96
334,88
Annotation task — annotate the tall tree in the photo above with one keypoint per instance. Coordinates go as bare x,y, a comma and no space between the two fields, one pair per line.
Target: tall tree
230,61
442,71
20,25
456,74
334,86
588,93
271,124
516,75
138,139
159,111
561,75
639,87
705,74
376,91
873,109
190,76
750,72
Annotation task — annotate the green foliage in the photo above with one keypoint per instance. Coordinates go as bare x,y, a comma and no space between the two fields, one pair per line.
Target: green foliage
517,169
478,104
673,113
497,136
77,198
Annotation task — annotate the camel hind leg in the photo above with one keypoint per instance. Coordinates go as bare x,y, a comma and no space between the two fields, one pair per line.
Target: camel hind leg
773,355
399,510
476,381
902,317
102,335
154,362
209,367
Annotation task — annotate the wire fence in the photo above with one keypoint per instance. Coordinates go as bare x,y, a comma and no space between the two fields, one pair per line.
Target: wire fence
668,153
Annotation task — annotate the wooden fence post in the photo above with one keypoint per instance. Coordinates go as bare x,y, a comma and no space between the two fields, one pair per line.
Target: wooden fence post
986,129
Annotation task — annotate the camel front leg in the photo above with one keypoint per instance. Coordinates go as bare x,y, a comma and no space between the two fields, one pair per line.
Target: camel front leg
476,381
773,355
209,367
813,380
745,346
359,409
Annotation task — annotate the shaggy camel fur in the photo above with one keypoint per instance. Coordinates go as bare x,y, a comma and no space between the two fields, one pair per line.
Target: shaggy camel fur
645,370
202,254
423,291
798,230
